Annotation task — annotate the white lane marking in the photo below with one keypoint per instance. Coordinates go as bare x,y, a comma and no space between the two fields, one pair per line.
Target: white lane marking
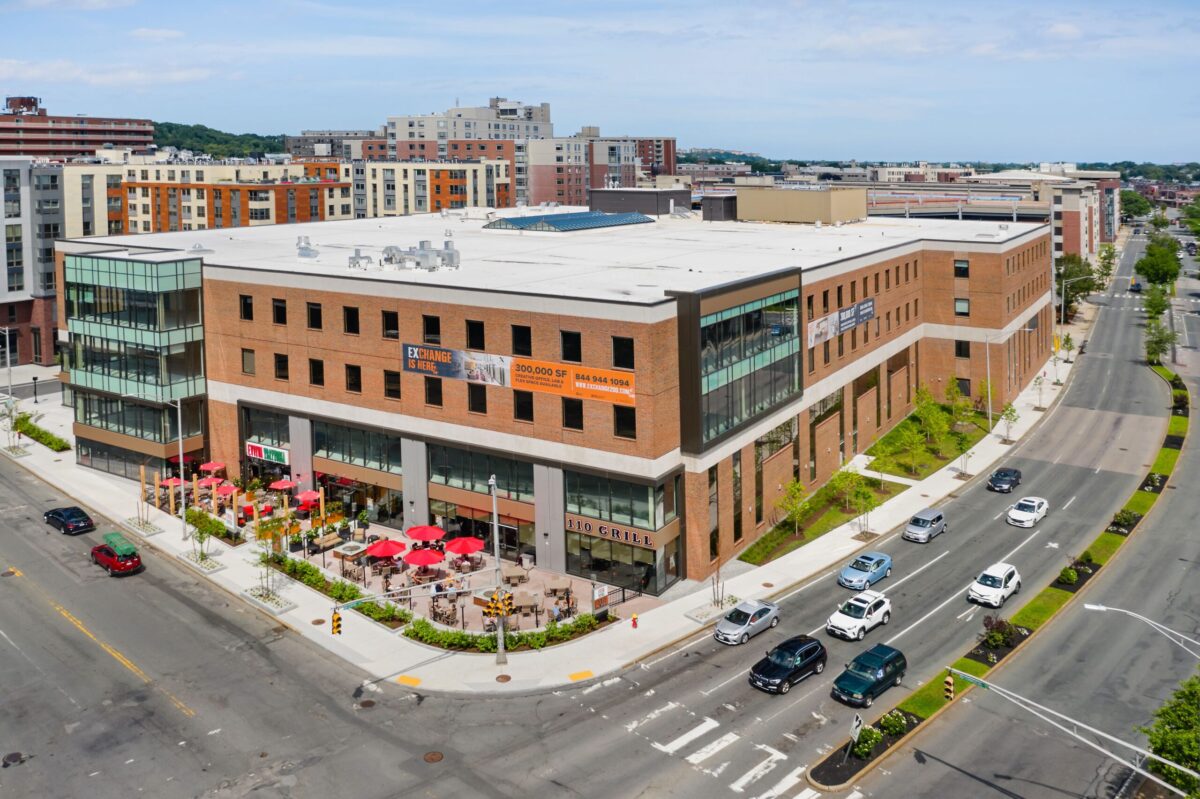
791,737
1097,471
130,760
214,732
723,683
958,594
809,584
966,612
1052,545
904,579
786,784
807,793
94,773
651,716
855,795
774,757
998,515
704,753
703,728
1069,501
600,685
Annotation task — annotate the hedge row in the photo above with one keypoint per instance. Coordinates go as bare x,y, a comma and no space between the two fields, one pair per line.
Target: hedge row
424,631
23,424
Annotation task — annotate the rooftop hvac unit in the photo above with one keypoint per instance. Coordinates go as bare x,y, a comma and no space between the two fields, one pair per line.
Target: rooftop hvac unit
304,249
199,249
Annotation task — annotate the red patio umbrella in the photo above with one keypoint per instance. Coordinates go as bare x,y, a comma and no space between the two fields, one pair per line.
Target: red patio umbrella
212,466
386,548
424,557
209,482
308,496
464,546
226,490
172,482
425,532
282,485
186,459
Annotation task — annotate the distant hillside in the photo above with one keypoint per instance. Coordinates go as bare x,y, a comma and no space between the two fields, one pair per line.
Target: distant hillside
217,143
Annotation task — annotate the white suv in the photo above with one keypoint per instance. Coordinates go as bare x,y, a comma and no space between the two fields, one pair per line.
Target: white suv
858,614
995,585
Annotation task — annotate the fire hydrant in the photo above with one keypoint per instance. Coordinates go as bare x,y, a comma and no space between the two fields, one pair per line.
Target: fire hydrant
633,619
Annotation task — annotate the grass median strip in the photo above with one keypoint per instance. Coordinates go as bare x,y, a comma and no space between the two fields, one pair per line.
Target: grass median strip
1141,502
1042,607
1165,462
1178,426
1105,545
929,698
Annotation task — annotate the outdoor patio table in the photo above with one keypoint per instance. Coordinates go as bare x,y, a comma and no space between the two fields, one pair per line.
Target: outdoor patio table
525,600
557,585
513,574
348,551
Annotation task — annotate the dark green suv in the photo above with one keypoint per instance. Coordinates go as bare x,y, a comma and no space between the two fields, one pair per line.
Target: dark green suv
869,675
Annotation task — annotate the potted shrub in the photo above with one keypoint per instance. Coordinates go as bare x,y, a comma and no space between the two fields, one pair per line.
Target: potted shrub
364,523
295,542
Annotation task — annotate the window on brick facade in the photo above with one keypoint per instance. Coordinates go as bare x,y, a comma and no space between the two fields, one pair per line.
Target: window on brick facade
962,349
246,307
622,352
316,372
353,378
572,346
962,307
314,316
522,340
475,337
841,344
624,421
433,391
964,386
432,331
572,413
281,366
825,352
350,319
523,406
248,362
279,311
391,384
476,398
390,322
962,268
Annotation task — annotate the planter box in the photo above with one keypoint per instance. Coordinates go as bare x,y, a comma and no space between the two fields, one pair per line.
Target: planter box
144,529
274,605
207,566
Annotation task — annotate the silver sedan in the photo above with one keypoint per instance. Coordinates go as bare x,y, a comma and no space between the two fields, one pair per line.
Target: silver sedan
746,620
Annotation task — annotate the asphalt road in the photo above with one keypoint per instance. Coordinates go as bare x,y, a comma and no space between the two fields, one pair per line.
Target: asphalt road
1107,670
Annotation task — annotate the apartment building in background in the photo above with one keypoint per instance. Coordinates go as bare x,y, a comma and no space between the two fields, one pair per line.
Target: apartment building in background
657,155
32,220
500,119
335,144
27,129
642,388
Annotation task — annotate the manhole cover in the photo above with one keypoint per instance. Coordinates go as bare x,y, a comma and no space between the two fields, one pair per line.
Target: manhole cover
262,754
433,757
13,758
318,622
503,678
768,585
367,704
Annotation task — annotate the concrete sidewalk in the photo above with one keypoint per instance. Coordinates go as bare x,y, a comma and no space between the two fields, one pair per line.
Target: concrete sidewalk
387,655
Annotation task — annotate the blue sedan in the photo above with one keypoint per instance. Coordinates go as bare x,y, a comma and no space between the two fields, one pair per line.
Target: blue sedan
866,570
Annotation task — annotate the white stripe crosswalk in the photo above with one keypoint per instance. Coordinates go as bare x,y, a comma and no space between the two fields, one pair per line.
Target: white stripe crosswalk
700,755
683,740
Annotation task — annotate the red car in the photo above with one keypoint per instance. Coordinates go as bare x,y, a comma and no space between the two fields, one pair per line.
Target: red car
116,555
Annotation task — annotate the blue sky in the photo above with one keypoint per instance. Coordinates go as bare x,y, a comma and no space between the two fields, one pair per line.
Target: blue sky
938,80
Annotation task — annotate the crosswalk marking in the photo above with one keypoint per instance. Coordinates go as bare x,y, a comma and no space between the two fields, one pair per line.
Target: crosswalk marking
651,716
786,784
855,795
683,740
707,751
774,756
807,793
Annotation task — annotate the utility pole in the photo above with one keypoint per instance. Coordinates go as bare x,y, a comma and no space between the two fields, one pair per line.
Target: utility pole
12,401
501,655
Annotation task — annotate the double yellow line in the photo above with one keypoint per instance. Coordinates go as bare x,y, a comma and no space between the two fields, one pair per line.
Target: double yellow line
113,652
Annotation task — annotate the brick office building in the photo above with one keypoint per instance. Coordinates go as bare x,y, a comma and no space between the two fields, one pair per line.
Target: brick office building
643,390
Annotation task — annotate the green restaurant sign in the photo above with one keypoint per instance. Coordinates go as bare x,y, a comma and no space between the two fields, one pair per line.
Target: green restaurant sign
268,454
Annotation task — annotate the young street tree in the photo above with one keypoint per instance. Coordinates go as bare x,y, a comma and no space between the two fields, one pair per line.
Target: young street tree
1068,344
1106,263
1010,417
959,405
1074,278
1159,221
909,441
864,499
983,395
1159,265
795,504
1156,302
1158,340
843,484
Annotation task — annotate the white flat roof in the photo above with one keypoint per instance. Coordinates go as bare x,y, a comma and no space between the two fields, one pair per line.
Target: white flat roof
634,263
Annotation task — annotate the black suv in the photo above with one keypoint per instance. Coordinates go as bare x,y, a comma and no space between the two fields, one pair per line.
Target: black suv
788,664
869,675
1004,480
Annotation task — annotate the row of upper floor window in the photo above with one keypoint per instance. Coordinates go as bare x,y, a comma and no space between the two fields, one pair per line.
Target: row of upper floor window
1026,292
849,293
570,341
1025,258
624,418
885,321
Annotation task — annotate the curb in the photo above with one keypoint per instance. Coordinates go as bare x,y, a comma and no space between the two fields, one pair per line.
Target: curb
1058,614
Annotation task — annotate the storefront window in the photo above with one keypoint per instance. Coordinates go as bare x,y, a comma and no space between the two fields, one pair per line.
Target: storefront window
621,564
118,461
369,448
517,537
266,427
468,470
383,505
647,507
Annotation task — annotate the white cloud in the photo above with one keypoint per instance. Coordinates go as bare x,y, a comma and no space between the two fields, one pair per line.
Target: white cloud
1065,31
71,72
77,5
155,34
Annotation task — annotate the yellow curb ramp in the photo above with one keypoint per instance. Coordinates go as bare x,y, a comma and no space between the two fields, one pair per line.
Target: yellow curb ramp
580,675
405,679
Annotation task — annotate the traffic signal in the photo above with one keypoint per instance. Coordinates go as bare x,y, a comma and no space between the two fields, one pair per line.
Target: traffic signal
336,625
509,609
948,686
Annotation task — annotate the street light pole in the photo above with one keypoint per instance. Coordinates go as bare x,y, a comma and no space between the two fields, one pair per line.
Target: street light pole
501,656
1174,636
1062,297
987,350
12,401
